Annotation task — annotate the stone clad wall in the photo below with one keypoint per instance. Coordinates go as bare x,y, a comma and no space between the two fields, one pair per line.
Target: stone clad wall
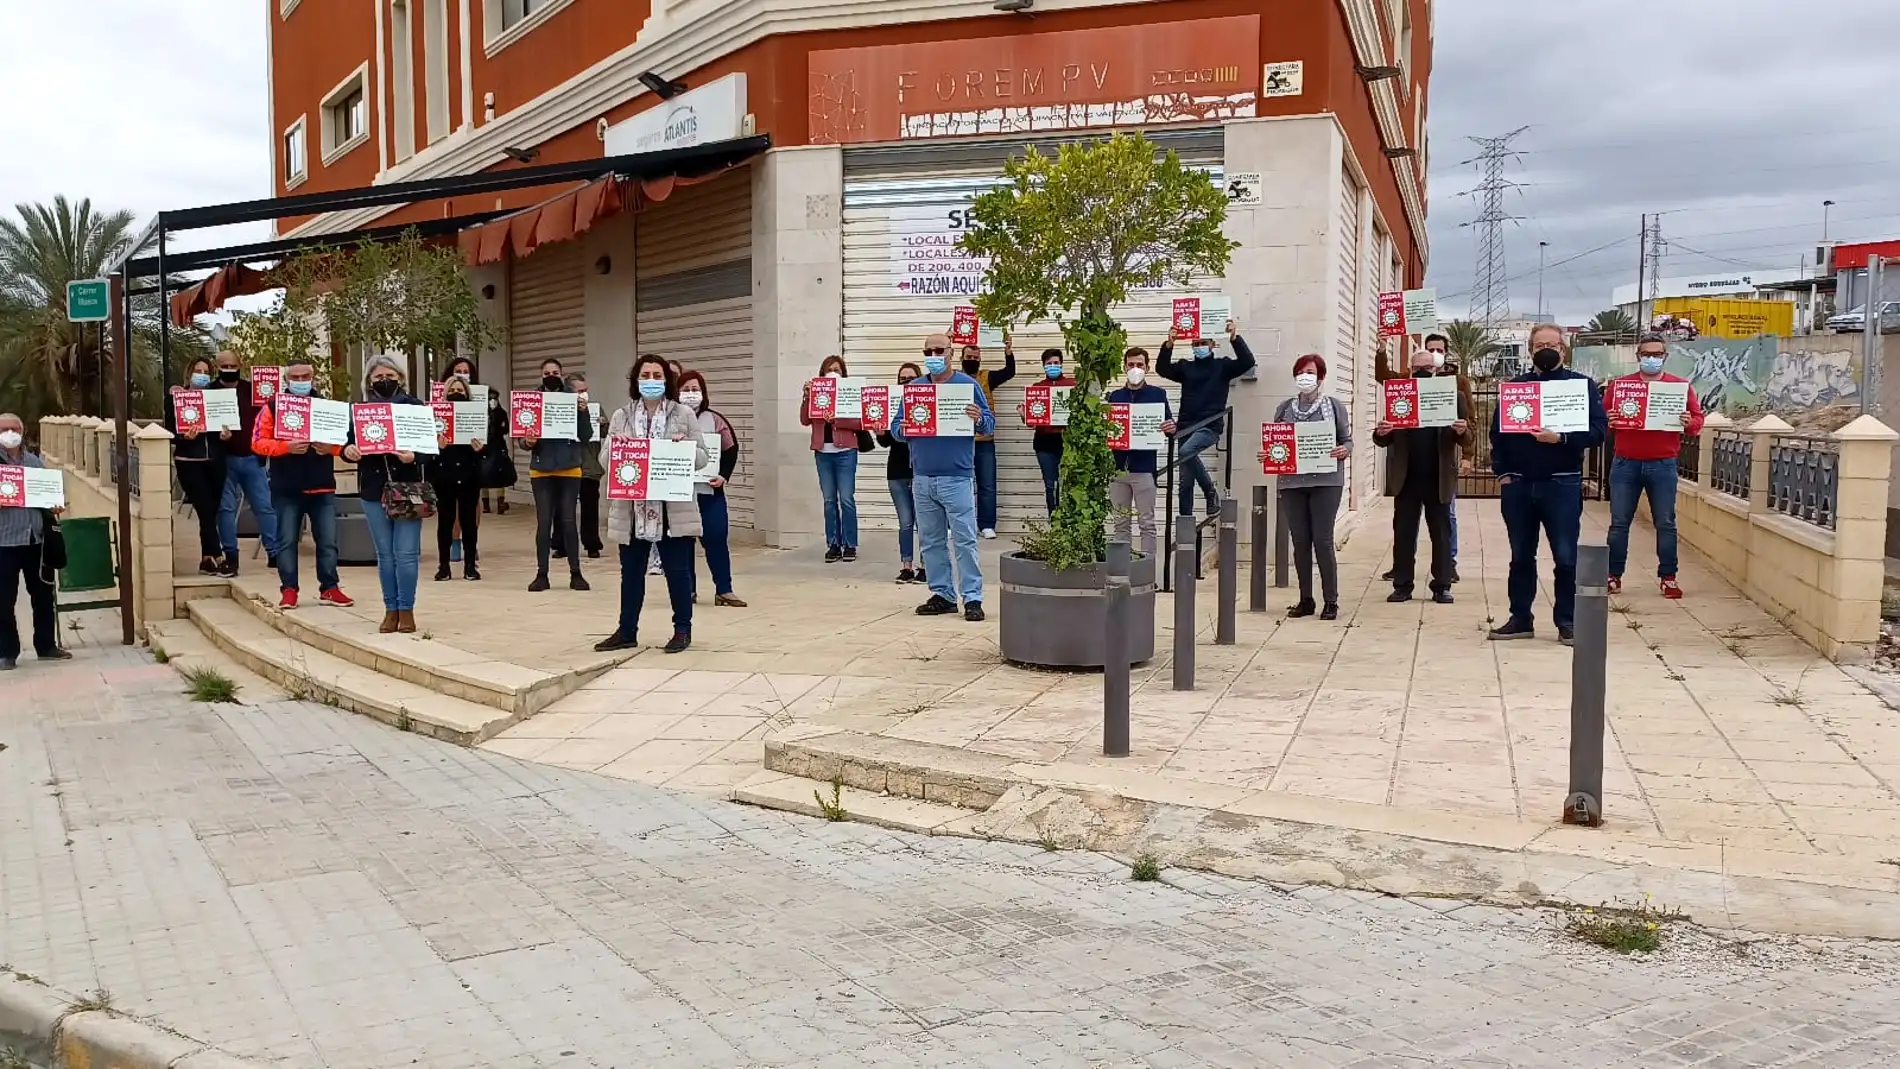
82,447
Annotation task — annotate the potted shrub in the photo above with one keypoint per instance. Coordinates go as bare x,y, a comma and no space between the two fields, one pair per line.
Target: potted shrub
1070,236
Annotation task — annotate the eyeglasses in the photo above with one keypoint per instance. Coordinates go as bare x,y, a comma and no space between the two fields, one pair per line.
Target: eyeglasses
935,352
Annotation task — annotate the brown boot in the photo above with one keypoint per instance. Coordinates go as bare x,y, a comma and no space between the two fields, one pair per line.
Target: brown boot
406,622
389,623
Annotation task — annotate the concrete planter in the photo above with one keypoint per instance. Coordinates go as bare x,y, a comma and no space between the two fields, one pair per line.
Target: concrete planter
1059,619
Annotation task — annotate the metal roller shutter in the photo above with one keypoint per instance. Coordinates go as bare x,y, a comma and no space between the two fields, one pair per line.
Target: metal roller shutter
1367,399
547,297
1346,322
693,304
890,191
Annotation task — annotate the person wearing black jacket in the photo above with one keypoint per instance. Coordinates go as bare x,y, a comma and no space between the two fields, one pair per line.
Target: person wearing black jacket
457,474
1421,478
1540,489
715,539
897,476
199,457
389,485
1204,384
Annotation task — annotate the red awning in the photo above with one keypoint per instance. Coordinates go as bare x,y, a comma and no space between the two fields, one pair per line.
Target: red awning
561,218
232,280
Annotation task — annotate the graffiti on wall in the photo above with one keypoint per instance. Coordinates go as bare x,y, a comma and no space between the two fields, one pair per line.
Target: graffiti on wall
1747,375
1814,378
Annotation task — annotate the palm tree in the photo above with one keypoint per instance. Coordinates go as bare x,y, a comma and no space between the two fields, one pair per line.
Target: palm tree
47,365
1469,343
1612,321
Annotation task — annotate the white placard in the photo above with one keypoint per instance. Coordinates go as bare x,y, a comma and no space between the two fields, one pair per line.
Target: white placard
478,394
713,445
560,416
330,422
471,422
415,429
1566,405
1313,445
1217,310
32,488
1421,312
1667,402
989,339
850,399
221,411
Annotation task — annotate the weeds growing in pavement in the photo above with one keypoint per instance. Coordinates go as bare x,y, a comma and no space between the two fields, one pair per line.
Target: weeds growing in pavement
209,685
404,722
1636,929
834,809
159,655
1047,840
1146,869
100,999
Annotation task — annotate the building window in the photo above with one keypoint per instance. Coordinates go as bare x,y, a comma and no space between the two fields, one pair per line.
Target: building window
507,21
516,12
296,155
346,115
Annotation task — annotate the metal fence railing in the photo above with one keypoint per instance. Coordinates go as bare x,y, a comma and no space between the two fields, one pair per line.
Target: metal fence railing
1478,481
1804,479
1689,459
1730,459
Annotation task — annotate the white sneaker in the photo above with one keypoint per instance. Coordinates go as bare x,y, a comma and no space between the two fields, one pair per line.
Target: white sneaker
989,532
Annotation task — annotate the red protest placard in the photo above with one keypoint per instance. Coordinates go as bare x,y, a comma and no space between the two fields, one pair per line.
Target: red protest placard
12,487
1282,452
444,422
1185,324
1401,403
964,325
1520,407
1120,427
438,391
877,408
628,461
188,409
920,411
821,400
1046,406
1629,404
293,420
375,426
265,382
1392,314
524,414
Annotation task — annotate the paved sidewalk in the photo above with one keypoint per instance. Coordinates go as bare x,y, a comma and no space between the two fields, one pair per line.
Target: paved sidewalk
292,882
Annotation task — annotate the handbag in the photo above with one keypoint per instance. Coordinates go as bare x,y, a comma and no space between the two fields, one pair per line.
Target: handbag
404,500
498,468
52,545
866,443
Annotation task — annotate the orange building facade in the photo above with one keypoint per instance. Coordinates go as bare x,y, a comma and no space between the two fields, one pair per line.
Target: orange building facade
840,238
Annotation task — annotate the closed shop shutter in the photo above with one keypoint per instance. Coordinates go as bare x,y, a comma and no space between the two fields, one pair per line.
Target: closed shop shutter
693,304
547,298
902,190
1368,399
1346,334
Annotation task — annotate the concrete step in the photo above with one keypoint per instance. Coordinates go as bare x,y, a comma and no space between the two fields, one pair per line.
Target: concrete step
305,671
796,794
182,646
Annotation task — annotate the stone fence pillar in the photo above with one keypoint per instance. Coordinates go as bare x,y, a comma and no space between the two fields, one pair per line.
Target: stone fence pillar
1865,460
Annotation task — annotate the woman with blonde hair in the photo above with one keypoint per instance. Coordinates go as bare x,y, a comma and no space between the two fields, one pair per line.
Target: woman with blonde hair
396,497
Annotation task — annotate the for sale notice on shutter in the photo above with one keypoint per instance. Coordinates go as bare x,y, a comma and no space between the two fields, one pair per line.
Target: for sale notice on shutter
1561,405
875,404
939,411
965,328
188,412
312,420
1137,428
375,429
1046,406
265,382
415,429
1636,405
1412,403
643,469
1303,447
32,488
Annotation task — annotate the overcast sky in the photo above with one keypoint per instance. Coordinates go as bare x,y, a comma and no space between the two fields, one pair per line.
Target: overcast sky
1736,117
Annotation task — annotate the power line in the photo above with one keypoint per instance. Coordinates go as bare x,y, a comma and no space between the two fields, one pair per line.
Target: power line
1551,265
1492,303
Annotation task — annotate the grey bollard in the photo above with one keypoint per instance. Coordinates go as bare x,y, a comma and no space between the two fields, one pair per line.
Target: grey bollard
1258,533
1227,589
1282,550
1115,729
1588,678
1184,532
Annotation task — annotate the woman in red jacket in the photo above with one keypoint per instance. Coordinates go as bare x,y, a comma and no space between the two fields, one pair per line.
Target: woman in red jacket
834,442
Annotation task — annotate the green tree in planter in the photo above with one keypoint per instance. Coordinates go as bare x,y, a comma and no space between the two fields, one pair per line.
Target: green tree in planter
1070,236
406,296
291,328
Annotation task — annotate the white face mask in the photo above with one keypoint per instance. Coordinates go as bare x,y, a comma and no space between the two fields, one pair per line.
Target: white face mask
1137,375
10,439
1438,359
1306,382
833,375
691,399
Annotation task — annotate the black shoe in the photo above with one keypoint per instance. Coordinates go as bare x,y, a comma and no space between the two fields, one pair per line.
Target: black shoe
1567,636
1513,629
209,565
907,576
850,554
1387,577
680,641
593,554
1398,596
559,554
442,573
270,562
973,612
578,582
921,577
469,571
1330,612
540,583
938,605
486,508
615,642
1300,611
833,555
1454,573
56,654
8,664
228,567
1442,597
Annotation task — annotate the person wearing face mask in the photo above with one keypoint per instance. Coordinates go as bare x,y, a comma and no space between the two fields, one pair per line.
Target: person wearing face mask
1048,440
591,473
457,474
834,444
396,498
897,476
1132,494
22,561
200,459
639,526
302,484
1540,490
244,478
1205,381
1646,464
987,383
943,480
554,467
1421,476
1310,503
715,520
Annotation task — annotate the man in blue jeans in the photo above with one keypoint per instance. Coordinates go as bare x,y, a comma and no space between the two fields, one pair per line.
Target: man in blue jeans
1646,464
943,482
1204,384
1540,487
243,473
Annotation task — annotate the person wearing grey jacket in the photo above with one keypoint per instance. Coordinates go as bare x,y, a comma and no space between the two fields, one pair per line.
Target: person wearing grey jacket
554,468
1310,503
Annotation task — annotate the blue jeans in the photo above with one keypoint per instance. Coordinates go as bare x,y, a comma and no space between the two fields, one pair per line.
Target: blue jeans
716,520
906,505
1552,508
986,486
246,475
398,556
1454,522
676,560
1629,480
1051,465
1194,470
291,510
838,482
946,519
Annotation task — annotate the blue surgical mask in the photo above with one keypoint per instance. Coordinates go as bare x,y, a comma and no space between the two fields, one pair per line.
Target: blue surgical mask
935,365
1054,371
1651,365
1202,352
200,381
298,389
652,389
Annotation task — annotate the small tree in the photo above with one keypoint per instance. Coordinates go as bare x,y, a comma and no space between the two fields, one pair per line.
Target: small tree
291,329
406,296
1070,236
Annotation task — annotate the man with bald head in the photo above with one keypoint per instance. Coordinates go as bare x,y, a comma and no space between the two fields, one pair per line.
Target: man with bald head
22,540
943,482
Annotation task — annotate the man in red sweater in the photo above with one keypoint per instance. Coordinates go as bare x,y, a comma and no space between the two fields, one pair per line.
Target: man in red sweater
1646,463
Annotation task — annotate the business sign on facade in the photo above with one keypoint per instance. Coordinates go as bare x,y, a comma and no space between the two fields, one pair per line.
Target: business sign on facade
1195,71
713,112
